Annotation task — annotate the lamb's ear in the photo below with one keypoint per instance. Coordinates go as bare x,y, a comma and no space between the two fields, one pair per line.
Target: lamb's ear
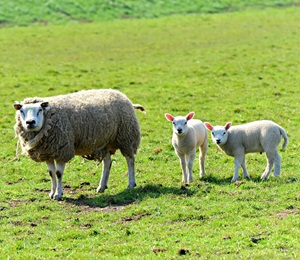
190,116
17,106
228,125
44,104
208,126
169,117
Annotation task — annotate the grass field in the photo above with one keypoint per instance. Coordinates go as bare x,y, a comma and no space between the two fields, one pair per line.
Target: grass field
239,67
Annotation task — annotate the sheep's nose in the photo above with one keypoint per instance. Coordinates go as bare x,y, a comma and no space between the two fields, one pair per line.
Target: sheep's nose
30,122
218,141
179,130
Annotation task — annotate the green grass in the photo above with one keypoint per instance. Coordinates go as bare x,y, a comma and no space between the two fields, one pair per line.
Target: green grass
238,67
44,12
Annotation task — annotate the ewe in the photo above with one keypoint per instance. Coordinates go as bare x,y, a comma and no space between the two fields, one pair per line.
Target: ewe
188,135
92,124
259,136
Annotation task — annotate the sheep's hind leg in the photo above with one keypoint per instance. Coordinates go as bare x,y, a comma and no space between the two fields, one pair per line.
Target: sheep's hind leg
277,165
131,172
203,150
270,161
105,173
60,167
52,170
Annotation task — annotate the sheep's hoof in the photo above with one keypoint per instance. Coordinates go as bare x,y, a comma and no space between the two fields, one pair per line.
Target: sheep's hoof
234,180
130,186
58,197
101,190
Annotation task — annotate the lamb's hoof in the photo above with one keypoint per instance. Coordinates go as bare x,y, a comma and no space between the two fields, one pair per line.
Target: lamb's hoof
101,189
234,180
247,178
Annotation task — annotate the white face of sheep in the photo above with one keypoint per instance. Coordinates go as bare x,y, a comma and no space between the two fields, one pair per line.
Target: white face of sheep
219,134
180,122
32,115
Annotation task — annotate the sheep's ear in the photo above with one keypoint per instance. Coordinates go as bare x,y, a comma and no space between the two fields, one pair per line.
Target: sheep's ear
44,104
190,115
228,125
208,126
17,106
169,117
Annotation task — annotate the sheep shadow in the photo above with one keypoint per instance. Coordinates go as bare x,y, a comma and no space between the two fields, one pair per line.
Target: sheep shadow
127,197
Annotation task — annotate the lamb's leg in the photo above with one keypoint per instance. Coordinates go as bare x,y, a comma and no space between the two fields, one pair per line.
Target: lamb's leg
60,167
237,163
183,167
277,165
131,172
105,173
203,150
270,162
190,159
52,172
246,174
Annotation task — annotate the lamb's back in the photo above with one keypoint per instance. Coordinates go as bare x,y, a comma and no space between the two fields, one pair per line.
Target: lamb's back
251,136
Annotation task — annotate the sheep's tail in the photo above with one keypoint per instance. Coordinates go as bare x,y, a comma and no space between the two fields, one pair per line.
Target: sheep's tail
285,137
140,107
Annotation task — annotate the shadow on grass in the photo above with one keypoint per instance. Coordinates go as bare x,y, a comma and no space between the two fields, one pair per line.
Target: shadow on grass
128,197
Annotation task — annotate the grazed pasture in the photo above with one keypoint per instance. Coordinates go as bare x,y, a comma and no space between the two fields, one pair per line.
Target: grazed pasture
235,67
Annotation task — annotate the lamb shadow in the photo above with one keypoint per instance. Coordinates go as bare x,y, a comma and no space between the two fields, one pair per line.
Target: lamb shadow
128,197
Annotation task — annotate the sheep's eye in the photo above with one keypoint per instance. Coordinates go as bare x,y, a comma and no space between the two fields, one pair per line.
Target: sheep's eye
224,133
40,110
213,134
185,123
22,112
174,123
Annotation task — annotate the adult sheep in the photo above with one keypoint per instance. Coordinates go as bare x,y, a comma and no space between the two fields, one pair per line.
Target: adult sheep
89,123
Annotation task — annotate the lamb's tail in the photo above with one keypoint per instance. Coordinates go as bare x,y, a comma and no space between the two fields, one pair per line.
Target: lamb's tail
285,137
140,107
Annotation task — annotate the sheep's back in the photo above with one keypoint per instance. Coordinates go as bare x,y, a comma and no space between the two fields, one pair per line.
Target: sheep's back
99,118
254,136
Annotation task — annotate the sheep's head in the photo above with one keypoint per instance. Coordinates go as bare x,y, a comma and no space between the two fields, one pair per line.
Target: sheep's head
180,122
219,134
32,115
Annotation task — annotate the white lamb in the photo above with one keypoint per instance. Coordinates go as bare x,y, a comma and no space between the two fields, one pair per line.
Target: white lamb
92,124
188,135
259,136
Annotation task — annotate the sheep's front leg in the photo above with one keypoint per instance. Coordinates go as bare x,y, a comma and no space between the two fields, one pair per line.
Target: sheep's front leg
60,167
237,164
183,167
246,174
52,172
190,158
105,173
131,172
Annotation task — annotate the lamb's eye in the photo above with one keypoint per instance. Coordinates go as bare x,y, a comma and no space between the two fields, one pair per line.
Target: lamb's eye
22,112
213,134
224,133
185,123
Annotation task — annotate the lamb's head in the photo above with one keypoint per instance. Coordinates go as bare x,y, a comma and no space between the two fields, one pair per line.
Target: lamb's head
32,115
219,134
180,122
